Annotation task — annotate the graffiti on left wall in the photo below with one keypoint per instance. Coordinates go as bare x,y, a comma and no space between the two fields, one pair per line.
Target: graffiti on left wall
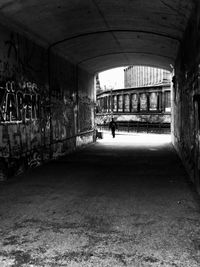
19,102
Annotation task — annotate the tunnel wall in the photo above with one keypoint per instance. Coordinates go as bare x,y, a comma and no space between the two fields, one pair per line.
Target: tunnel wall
46,105
186,100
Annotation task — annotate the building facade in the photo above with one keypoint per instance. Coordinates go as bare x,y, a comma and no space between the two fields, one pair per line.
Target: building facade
142,76
148,101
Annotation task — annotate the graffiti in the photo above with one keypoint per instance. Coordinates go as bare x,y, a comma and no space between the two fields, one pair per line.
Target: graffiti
24,106
56,92
36,124
34,159
19,102
85,114
59,130
62,118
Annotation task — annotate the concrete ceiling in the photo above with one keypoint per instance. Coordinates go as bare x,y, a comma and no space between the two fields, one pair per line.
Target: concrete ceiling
103,34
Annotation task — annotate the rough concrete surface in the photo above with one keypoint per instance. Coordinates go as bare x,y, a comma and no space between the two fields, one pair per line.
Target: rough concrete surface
100,35
120,202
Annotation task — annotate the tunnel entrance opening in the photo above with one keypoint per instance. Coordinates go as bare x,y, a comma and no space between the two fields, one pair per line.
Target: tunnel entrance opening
138,98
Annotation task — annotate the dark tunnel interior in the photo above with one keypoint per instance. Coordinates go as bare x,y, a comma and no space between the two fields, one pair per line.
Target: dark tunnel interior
68,197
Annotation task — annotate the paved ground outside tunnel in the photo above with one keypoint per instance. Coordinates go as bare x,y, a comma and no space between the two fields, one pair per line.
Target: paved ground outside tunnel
120,202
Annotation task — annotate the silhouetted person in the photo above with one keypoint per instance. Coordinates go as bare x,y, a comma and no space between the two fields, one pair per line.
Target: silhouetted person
113,127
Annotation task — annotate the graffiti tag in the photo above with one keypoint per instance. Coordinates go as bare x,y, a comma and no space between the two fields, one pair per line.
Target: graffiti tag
19,102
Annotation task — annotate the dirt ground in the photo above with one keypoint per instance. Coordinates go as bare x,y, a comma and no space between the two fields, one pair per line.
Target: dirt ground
120,202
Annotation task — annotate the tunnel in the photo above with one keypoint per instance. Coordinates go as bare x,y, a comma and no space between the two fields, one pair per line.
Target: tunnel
50,53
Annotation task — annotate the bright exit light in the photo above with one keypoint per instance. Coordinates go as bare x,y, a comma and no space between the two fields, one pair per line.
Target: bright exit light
113,78
136,139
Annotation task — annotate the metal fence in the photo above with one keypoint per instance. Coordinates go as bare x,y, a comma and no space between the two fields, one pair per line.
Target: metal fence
147,127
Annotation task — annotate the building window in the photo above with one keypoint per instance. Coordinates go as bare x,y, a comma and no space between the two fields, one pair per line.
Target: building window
109,103
106,103
143,102
153,101
120,103
101,103
167,101
115,103
127,103
134,102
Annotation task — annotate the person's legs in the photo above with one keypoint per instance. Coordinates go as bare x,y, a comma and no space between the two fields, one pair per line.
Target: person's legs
113,133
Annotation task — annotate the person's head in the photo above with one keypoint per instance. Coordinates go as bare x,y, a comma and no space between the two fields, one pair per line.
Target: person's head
112,119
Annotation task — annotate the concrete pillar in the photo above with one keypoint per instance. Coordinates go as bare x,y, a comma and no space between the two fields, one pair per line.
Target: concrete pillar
138,100
148,102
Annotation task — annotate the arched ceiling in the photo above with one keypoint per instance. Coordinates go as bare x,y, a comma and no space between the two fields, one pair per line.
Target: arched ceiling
102,34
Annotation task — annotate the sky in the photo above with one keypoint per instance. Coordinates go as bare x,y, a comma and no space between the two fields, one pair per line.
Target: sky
113,78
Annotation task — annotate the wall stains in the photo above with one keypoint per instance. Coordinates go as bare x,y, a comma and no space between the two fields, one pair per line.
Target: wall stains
186,85
85,114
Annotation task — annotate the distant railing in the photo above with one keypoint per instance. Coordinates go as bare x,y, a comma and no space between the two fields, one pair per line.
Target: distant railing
138,126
